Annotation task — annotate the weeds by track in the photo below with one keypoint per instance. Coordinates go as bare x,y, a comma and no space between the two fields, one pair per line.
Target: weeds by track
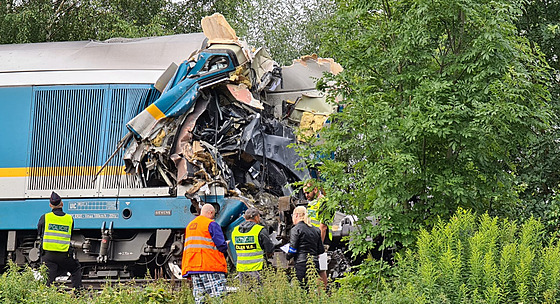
99,284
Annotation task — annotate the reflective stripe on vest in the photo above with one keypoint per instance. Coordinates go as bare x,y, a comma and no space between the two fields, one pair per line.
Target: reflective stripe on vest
250,256
199,251
57,233
189,244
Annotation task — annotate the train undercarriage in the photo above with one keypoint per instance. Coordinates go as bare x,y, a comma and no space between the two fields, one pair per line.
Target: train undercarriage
111,254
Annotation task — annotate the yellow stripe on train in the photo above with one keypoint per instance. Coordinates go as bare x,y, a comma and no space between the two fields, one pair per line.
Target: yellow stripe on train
155,111
61,171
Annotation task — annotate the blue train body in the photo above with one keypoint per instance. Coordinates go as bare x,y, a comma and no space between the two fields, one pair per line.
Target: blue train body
65,108
135,146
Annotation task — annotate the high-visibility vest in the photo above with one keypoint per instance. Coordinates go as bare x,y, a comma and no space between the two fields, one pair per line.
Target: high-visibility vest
57,233
250,256
200,252
313,214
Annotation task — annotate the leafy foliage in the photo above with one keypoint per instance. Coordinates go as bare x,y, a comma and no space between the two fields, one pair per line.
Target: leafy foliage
540,23
277,287
67,20
287,28
185,16
538,164
440,96
476,259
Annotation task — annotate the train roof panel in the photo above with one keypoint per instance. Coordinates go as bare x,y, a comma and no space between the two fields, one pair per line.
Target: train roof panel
121,60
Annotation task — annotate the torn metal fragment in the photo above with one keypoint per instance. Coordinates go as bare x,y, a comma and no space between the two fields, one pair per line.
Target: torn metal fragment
242,94
276,147
211,68
217,29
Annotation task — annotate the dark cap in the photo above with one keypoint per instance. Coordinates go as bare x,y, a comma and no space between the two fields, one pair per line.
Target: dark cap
55,199
251,213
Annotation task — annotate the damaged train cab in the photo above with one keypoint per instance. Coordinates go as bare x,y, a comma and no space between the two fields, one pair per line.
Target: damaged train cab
135,144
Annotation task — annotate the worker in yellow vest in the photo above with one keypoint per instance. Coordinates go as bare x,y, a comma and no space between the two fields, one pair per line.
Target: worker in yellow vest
319,218
204,255
55,229
252,245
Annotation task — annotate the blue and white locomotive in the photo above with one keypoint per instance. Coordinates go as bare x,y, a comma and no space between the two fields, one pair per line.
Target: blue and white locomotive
135,144
66,105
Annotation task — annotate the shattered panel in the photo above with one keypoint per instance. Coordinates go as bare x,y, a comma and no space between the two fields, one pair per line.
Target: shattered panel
217,29
303,73
210,126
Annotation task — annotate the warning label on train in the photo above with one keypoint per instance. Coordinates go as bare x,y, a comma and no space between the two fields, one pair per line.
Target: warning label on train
96,216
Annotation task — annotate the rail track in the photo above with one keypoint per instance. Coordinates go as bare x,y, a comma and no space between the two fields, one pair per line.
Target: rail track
100,284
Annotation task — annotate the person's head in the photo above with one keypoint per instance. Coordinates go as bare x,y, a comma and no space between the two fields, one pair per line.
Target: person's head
300,215
311,192
208,211
253,215
55,201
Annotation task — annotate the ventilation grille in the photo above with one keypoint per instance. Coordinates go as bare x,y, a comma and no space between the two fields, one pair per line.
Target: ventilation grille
65,137
125,104
75,130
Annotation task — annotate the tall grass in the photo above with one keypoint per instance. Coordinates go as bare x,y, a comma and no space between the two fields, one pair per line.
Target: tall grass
19,285
476,259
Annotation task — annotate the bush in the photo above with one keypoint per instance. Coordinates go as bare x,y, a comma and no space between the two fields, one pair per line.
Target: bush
476,259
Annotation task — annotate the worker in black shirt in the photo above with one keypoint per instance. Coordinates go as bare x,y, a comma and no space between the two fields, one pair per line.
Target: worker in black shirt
55,229
305,242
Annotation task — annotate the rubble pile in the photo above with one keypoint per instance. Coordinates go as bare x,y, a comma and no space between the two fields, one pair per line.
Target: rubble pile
224,123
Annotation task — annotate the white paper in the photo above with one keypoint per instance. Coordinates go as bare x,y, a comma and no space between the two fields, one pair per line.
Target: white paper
285,248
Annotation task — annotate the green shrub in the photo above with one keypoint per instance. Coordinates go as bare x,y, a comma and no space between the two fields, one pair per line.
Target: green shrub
19,285
475,259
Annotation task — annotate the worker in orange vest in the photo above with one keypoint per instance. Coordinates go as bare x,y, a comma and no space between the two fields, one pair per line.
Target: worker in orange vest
204,255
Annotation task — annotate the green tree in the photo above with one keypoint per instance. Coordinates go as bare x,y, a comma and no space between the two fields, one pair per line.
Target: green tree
288,29
69,20
185,16
440,98
538,165
540,23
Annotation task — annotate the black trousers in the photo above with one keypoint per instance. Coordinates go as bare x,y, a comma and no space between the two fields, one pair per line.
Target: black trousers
301,271
59,263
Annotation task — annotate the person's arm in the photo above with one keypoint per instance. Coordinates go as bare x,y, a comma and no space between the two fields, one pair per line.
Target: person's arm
294,243
323,227
266,243
325,217
320,247
218,237
41,226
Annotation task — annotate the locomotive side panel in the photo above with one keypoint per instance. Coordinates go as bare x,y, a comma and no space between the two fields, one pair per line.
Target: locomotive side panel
15,105
74,130
65,107
59,137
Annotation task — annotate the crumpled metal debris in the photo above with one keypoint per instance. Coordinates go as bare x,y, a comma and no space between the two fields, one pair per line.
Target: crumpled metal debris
225,122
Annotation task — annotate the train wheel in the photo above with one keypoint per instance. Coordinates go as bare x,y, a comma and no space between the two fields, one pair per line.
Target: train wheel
173,268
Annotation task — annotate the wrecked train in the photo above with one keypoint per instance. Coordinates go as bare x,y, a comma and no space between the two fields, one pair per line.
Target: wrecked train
68,104
135,145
